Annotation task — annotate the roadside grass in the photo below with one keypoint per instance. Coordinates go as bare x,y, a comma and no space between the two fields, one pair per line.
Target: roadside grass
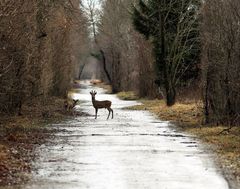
187,113
20,135
106,87
188,117
127,95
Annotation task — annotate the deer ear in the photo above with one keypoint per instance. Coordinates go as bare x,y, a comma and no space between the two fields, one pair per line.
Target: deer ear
91,92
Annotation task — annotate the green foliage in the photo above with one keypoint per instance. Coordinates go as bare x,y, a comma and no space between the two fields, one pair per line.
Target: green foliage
173,28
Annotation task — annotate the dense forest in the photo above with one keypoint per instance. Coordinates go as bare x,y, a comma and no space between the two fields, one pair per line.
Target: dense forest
42,45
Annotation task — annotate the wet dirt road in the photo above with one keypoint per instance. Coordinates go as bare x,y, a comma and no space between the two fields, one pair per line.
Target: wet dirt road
133,151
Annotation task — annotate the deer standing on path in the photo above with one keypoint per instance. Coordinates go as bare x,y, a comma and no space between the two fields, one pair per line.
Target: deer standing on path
101,104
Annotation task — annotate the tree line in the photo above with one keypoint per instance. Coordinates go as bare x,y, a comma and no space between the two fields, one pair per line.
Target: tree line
157,47
42,45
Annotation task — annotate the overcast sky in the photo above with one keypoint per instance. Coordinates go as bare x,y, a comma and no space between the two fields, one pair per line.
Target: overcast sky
98,2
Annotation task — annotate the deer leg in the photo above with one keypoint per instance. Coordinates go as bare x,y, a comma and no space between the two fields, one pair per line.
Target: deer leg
112,112
109,111
96,110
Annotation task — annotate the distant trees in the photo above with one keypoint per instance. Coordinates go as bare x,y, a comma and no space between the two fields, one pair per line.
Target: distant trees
128,55
186,37
221,61
173,29
92,11
41,47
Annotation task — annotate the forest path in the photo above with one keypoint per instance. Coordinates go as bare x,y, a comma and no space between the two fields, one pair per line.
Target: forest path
132,151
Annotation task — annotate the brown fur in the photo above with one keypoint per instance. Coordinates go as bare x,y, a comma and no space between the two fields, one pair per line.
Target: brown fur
69,104
101,104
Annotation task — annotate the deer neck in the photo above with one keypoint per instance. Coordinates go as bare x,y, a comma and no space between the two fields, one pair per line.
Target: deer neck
74,104
93,100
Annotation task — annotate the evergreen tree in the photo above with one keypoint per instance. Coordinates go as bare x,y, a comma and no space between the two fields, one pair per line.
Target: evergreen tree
172,26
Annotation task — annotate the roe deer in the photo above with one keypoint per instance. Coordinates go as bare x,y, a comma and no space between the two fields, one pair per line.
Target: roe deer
69,104
101,104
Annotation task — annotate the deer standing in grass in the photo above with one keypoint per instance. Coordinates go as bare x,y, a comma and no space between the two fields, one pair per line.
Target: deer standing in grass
101,104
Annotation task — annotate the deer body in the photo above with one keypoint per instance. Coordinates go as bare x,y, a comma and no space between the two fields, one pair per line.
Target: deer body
101,104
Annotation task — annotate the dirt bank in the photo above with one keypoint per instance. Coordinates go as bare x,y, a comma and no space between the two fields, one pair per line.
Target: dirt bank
20,135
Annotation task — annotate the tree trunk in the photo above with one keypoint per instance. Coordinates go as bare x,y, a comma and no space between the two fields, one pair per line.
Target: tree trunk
81,70
105,66
206,103
170,94
169,87
116,85
206,95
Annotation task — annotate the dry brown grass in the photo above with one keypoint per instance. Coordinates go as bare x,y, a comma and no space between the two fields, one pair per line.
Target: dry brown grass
127,95
96,81
226,145
19,135
189,118
105,86
187,113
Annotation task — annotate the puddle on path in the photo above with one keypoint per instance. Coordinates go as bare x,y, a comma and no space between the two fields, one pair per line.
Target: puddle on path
132,151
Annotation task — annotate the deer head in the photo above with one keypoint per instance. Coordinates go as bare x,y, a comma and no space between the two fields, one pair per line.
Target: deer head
75,102
93,93
69,104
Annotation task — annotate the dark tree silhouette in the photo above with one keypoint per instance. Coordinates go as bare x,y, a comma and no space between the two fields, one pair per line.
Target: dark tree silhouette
172,27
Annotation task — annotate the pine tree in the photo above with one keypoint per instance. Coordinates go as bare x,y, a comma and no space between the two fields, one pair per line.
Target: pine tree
172,27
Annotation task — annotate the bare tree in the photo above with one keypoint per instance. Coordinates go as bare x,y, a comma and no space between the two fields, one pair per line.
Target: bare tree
220,59
41,45
92,10
128,55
